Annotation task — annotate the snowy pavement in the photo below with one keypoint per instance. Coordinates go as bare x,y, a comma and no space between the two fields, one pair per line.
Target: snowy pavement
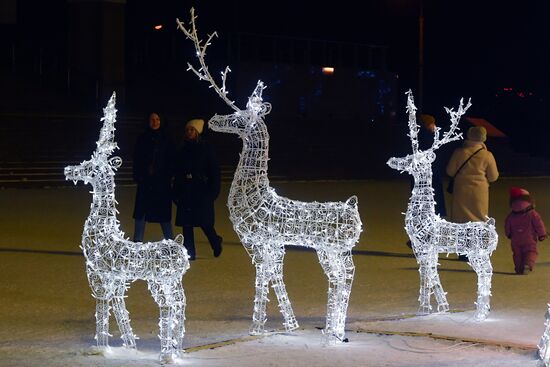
47,312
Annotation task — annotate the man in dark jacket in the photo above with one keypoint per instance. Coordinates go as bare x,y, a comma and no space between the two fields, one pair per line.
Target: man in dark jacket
152,174
196,186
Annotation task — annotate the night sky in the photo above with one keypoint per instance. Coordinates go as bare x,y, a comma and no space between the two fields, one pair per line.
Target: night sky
471,48
492,51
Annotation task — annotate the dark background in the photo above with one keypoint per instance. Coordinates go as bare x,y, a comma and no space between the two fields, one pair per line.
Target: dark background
471,48
61,58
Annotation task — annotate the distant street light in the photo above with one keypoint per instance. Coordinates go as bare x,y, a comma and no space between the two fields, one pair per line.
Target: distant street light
327,70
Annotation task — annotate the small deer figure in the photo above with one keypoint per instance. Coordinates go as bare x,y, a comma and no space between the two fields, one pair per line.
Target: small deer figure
266,222
112,261
544,344
430,235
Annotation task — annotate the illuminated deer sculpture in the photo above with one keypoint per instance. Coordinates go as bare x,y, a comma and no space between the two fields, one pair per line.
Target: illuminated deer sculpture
544,343
266,222
112,261
430,235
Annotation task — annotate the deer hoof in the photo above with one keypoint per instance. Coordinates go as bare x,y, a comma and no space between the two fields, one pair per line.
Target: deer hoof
170,358
332,337
256,329
424,310
289,327
443,308
482,314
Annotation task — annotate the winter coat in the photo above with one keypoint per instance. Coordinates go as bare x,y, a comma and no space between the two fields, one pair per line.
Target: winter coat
151,172
197,182
471,186
524,225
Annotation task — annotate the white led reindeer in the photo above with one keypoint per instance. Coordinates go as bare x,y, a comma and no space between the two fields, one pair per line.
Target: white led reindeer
431,235
544,344
112,261
267,222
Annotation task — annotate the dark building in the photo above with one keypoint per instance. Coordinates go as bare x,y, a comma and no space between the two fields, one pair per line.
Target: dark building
66,57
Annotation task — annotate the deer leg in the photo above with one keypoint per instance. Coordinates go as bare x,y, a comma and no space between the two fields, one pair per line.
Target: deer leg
102,322
122,316
168,294
102,294
339,269
262,289
425,289
179,314
280,291
433,284
482,266
439,294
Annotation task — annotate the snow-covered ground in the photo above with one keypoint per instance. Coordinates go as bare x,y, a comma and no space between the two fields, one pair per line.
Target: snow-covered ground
47,312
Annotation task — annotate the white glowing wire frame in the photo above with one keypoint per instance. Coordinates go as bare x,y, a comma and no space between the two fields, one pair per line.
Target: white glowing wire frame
544,344
112,261
266,222
431,235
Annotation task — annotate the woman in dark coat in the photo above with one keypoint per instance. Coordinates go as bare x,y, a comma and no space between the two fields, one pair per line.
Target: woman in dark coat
196,187
152,174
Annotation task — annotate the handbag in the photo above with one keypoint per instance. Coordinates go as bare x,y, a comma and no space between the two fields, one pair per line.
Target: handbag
451,185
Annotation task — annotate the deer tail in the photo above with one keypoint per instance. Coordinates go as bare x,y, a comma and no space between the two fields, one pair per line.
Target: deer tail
179,239
490,221
352,201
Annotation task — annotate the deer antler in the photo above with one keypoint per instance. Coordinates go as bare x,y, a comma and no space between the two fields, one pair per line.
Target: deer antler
106,143
453,133
413,126
255,101
203,73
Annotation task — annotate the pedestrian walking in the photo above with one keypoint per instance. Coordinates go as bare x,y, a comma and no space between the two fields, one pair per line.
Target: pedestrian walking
197,182
524,227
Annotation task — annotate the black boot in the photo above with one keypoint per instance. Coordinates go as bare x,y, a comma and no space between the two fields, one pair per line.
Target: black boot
190,250
218,247
189,241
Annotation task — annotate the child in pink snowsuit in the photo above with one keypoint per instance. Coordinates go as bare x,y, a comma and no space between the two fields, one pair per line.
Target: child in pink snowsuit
524,227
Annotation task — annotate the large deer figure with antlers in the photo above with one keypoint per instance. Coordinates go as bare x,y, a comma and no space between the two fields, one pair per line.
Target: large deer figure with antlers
430,235
266,222
112,261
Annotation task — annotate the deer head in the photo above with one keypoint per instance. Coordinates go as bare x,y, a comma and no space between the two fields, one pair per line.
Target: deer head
420,161
241,120
100,163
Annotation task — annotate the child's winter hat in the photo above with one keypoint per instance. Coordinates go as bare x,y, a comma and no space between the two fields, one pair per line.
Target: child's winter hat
198,124
517,193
